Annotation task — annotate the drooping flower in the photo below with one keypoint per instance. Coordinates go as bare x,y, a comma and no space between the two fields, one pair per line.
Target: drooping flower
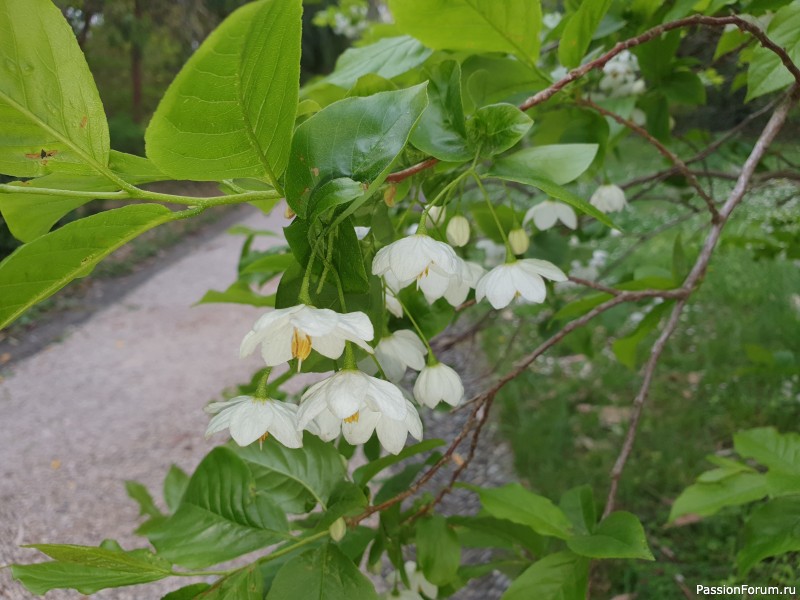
437,383
546,214
293,332
413,258
521,278
459,287
458,231
519,241
608,198
436,216
401,350
392,433
417,581
250,419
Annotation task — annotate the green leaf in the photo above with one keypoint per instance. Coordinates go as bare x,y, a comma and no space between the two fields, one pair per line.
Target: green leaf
222,515
626,349
295,478
559,163
364,474
40,268
488,532
490,79
578,32
89,569
231,110
53,119
271,264
139,494
496,128
357,138
175,484
349,260
772,529
238,293
554,190
474,25
242,585
386,58
438,550
684,87
442,131
187,592
515,503
561,576
766,72
578,504
705,499
619,535
324,574
775,450
333,193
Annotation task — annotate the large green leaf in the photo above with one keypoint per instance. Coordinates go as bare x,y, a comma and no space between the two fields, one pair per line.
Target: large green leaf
510,26
496,128
89,569
324,574
387,58
561,576
30,215
559,163
357,138
733,488
295,479
245,584
580,28
51,113
514,503
442,130
766,72
772,529
438,550
780,451
37,270
230,111
222,515
619,535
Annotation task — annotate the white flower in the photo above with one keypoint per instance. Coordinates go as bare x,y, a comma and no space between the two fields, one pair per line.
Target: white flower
357,404
438,383
458,231
608,198
288,333
522,278
519,241
417,581
401,350
436,216
413,258
459,287
250,419
545,214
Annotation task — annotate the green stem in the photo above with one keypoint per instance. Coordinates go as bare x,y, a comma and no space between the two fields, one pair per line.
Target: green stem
417,328
509,250
349,357
446,189
261,390
291,548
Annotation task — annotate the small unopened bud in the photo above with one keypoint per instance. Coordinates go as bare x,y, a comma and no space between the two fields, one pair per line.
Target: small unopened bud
436,216
389,194
519,241
338,529
458,231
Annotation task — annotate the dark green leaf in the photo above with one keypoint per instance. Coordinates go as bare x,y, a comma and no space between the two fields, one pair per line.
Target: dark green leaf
772,529
175,484
438,550
766,72
578,32
40,268
231,110
137,492
578,504
495,128
684,87
775,450
324,574
515,503
243,585
187,592
333,193
357,138
619,535
561,576
238,293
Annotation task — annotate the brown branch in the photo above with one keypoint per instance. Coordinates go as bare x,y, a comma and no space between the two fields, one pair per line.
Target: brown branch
679,165
692,282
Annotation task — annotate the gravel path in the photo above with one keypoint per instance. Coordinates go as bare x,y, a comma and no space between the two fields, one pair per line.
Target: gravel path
119,396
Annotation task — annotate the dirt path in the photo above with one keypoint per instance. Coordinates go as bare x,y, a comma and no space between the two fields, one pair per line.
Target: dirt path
119,397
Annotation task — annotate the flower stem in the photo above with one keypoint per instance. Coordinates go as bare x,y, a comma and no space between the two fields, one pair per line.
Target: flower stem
442,194
510,257
261,390
417,328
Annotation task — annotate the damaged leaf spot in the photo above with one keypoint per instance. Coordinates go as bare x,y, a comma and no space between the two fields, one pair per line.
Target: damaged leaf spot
42,155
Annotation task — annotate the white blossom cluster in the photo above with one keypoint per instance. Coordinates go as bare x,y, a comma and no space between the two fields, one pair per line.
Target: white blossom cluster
621,76
349,19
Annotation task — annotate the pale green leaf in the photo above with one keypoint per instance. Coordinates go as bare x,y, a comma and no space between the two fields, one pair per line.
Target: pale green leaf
510,26
766,72
707,498
40,268
559,163
578,32
239,292
561,576
175,484
231,110
515,503
775,450
52,116
619,535
139,494
387,58
495,128
357,138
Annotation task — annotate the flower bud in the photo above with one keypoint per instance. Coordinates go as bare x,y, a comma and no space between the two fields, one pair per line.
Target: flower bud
338,529
389,195
519,241
436,216
458,231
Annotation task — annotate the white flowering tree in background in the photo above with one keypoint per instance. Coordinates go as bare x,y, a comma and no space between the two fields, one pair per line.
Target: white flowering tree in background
415,175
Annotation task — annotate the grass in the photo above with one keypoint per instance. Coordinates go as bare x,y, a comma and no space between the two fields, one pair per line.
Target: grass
733,364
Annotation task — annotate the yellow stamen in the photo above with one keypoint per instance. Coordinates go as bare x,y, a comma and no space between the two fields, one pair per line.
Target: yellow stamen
263,439
352,418
301,346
